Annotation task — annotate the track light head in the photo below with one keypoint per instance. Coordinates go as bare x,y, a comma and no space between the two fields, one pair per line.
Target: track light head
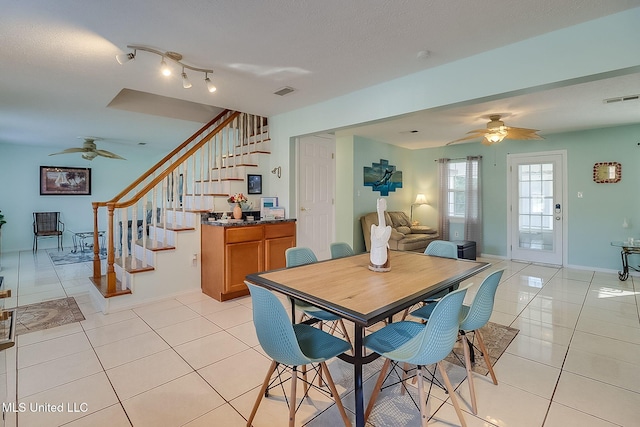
125,57
185,80
210,86
164,68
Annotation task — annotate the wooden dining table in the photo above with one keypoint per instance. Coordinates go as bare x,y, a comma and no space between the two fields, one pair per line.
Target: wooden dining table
346,287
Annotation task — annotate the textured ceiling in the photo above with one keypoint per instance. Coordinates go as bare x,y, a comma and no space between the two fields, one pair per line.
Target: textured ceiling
59,73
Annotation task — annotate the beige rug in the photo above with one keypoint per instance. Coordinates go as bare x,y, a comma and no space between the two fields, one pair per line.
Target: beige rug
48,314
496,337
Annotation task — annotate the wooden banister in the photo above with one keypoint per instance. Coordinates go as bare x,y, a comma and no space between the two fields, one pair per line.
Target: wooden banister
158,179
167,158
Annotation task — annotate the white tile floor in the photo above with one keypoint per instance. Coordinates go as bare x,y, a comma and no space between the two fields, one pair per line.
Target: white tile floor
193,361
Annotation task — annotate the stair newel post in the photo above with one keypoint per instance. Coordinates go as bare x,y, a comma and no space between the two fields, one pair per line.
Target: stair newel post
111,273
97,272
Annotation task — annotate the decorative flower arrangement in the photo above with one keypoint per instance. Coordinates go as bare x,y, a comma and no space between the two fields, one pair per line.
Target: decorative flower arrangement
238,198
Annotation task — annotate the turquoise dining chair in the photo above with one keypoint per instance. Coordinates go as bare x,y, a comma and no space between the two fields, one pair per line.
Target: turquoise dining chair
340,250
300,256
443,249
292,345
472,318
420,344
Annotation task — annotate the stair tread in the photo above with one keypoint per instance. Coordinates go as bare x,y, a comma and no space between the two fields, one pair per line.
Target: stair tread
101,284
252,165
208,194
127,265
159,246
175,227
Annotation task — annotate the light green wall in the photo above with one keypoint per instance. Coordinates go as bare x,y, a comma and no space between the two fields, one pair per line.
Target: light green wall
593,221
366,152
345,218
20,194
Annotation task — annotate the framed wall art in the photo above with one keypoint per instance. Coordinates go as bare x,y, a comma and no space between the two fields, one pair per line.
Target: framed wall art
254,184
65,181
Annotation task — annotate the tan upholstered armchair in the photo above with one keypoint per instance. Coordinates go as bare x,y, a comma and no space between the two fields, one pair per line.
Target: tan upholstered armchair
47,224
404,236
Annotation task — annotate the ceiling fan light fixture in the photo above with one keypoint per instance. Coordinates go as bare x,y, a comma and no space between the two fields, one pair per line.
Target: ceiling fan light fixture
496,137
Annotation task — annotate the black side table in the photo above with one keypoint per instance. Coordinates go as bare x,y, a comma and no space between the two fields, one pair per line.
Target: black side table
466,249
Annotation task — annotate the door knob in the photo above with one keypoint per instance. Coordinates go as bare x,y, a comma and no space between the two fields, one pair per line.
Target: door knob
302,208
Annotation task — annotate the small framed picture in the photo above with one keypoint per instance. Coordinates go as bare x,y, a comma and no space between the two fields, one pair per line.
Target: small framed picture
254,184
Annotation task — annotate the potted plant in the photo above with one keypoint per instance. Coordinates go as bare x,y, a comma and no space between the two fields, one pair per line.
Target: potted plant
2,221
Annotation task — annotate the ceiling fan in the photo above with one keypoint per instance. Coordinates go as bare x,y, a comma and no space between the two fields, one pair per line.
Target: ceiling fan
89,150
496,131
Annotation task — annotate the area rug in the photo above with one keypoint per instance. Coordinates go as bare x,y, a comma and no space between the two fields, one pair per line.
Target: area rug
66,257
47,314
496,337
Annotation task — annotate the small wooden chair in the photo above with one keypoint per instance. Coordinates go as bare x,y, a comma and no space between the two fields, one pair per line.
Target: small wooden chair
47,224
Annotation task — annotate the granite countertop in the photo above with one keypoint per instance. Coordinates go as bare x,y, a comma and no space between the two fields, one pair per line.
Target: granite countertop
243,223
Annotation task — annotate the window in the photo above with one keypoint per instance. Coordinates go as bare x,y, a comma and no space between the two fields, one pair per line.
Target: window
456,185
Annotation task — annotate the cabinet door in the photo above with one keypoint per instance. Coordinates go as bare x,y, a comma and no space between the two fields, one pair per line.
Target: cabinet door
242,259
274,251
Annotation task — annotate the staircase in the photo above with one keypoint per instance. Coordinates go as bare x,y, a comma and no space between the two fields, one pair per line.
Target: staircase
152,227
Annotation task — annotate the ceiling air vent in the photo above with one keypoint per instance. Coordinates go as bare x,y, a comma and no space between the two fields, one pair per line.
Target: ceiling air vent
621,99
284,91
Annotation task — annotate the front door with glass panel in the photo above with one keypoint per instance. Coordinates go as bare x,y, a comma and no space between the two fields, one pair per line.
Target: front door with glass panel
536,207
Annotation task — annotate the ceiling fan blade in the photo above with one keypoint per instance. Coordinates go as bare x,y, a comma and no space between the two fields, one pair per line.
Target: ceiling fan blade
470,137
480,132
70,150
109,154
522,133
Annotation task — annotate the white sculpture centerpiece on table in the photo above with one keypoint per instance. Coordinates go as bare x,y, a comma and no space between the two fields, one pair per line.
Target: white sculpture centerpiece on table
379,255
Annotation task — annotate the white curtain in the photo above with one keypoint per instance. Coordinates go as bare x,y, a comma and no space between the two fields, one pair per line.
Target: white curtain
443,198
473,202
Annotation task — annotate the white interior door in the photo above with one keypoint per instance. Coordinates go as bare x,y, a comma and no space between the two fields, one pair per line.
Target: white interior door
316,193
536,207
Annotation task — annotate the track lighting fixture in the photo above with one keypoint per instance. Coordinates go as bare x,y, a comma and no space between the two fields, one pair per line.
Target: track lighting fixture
164,67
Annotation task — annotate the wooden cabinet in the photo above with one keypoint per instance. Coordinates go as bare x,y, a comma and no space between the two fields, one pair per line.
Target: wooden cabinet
230,253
